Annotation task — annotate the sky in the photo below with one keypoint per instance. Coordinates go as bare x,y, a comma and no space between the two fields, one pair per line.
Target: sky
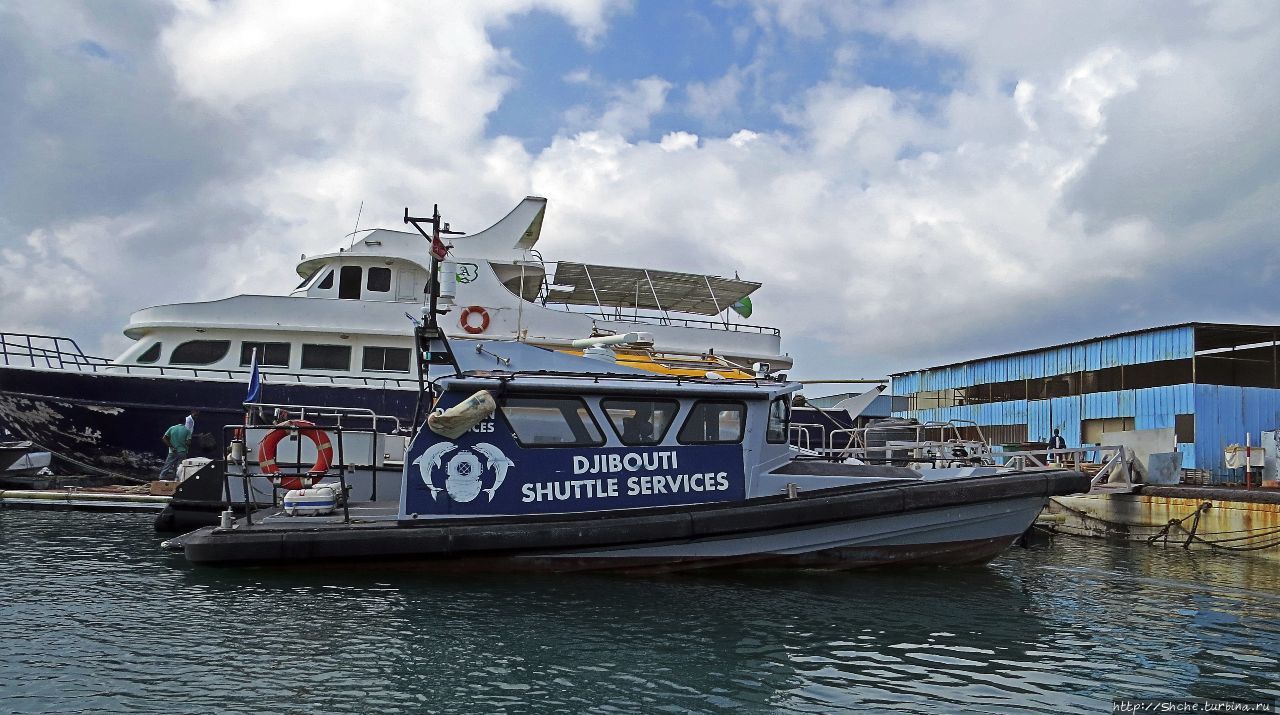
914,183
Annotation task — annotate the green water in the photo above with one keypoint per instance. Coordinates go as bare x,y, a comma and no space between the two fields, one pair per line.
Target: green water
97,619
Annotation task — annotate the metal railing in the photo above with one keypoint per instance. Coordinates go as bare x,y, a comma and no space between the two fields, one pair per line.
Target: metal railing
339,464
319,414
58,353
1109,460
49,351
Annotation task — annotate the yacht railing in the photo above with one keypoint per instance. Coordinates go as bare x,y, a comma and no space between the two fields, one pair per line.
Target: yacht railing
59,353
326,414
51,351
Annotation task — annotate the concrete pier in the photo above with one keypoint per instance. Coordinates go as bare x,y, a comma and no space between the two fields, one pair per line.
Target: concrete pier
1218,519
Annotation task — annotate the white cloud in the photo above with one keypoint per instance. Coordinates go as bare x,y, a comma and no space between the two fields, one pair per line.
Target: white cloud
1081,168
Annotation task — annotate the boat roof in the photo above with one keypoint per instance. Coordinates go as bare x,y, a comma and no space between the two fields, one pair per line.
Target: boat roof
615,286
617,383
515,233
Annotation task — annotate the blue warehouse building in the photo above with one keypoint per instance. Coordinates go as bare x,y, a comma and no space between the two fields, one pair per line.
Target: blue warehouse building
1212,383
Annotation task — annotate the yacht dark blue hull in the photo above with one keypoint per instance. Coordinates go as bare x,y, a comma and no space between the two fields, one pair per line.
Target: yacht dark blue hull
113,421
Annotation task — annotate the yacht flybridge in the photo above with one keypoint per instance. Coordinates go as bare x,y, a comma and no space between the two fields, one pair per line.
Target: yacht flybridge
343,337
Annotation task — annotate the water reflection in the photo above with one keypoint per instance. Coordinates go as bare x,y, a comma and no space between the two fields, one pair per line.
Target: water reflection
100,620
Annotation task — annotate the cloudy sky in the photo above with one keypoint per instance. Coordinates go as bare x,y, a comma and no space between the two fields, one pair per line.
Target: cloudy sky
913,182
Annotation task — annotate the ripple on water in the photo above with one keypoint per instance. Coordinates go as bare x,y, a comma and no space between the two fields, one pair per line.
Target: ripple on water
98,619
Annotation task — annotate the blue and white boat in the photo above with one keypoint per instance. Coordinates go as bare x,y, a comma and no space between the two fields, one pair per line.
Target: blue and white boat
533,459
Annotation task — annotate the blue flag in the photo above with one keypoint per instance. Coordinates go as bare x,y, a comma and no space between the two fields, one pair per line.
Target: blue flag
255,380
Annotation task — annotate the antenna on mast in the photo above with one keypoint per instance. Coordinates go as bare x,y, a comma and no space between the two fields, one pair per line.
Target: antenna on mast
356,231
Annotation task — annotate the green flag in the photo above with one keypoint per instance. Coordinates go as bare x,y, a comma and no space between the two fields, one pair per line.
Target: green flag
743,307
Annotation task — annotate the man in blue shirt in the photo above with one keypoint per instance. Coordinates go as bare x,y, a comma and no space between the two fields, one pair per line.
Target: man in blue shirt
176,438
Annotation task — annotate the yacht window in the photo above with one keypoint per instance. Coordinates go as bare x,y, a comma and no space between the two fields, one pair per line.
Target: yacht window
349,282
776,432
326,357
713,423
150,355
379,280
269,354
386,359
327,282
308,277
641,422
200,352
552,422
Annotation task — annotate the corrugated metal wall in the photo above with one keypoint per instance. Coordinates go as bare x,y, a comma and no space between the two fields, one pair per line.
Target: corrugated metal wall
1161,344
1150,408
1224,415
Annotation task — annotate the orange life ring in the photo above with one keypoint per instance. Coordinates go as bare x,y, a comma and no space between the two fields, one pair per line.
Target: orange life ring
464,320
324,454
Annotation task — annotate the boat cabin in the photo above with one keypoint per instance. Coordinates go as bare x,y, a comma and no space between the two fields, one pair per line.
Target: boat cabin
559,443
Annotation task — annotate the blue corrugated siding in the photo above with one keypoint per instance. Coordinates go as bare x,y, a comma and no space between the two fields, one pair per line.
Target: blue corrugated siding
1224,415
1166,344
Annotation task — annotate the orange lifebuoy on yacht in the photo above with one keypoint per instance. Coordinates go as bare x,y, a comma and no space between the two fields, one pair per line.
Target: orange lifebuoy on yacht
464,320
324,453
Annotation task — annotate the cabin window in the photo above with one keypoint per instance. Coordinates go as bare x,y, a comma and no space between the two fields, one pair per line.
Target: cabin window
349,282
379,280
150,355
552,422
269,354
712,422
200,352
776,431
641,422
326,357
327,282
386,359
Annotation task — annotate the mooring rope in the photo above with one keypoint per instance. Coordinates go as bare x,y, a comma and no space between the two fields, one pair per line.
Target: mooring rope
1194,535
90,467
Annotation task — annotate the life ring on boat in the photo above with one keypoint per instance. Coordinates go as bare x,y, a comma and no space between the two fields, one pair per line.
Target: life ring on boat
324,453
464,320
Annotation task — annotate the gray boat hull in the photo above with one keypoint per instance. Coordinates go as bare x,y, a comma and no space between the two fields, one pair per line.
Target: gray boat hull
906,522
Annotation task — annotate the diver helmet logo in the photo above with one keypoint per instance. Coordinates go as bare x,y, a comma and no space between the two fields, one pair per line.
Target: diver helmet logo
466,473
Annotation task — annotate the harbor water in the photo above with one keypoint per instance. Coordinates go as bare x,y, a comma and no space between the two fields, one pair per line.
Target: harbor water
98,619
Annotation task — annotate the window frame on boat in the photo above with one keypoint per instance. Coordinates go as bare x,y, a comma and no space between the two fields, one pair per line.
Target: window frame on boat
178,356
326,283
580,409
350,282
365,352
151,355
264,353
305,366
627,404
385,279
682,438
769,435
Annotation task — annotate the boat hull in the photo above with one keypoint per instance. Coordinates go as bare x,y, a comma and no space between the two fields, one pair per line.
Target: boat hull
965,521
113,421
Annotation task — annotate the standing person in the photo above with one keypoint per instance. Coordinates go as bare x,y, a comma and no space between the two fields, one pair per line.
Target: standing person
176,438
1057,442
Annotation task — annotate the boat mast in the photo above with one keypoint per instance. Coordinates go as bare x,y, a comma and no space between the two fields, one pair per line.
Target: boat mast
427,335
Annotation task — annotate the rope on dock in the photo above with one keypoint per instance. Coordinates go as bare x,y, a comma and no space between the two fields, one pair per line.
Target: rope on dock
1193,534
90,467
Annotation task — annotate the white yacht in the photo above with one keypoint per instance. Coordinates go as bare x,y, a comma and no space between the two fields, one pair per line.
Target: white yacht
344,338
